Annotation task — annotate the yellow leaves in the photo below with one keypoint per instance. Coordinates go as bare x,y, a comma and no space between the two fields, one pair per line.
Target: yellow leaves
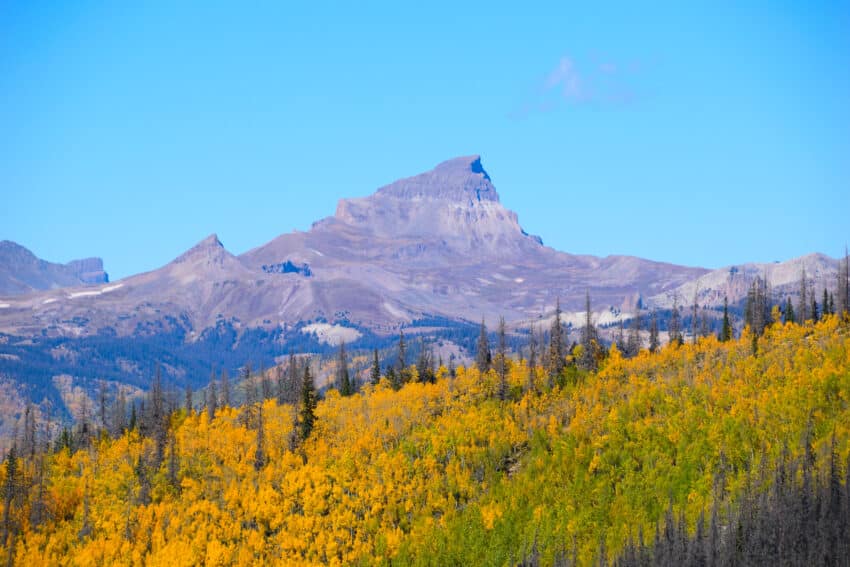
489,514
389,470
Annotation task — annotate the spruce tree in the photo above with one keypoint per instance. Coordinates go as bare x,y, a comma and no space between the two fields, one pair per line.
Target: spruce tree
803,306
589,339
634,342
532,358
375,375
482,351
726,328
260,452
674,329
401,363
308,403
212,397
225,388
654,342
557,359
502,362
790,316
825,303
343,377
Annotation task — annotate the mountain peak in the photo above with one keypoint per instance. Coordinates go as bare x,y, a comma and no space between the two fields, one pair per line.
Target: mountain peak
208,248
462,179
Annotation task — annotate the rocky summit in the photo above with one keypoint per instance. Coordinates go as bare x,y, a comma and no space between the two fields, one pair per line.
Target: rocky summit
438,244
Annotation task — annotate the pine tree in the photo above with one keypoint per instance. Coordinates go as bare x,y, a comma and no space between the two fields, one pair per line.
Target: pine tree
401,364
482,351
11,486
532,358
212,397
308,403
225,388
825,303
375,375
502,361
694,310
726,328
589,339
803,306
425,363
843,285
260,452
158,418
674,330
265,383
280,385
557,359
343,377
634,342
815,311
790,316
654,342
293,381
188,399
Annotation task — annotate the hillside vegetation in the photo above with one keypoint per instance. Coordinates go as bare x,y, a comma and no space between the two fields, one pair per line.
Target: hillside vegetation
464,470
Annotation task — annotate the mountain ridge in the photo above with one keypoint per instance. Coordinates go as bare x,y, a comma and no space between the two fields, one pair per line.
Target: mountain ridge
439,243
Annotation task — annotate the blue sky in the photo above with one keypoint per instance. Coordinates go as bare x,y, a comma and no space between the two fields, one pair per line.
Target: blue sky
701,133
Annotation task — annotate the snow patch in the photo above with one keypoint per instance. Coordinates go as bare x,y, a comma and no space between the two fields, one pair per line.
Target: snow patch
519,280
95,292
316,251
332,334
50,300
4,305
395,312
84,294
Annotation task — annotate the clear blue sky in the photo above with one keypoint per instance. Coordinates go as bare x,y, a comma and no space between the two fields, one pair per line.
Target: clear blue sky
702,133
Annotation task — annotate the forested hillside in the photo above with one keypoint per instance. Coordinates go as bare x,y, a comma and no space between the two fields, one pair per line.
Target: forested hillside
687,454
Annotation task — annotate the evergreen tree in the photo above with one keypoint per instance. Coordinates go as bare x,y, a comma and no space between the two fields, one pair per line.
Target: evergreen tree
482,351
265,383
188,399
212,397
375,374
803,306
557,359
11,487
425,363
401,364
815,311
280,385
309,401
634,343
825,303
589,338
343,377
620,340
790,316
225,388
502,361
843,285
532,358
674,329
260,452
726,327
654,342
293,381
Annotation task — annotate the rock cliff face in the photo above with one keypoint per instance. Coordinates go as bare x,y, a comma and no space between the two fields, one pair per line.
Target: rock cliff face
22,272
436,244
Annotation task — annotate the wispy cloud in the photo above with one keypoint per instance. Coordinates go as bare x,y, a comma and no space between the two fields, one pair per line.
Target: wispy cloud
572,82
